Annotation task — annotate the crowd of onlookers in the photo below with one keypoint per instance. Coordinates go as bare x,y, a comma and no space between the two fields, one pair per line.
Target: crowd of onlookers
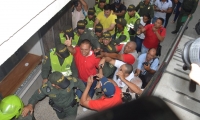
111,49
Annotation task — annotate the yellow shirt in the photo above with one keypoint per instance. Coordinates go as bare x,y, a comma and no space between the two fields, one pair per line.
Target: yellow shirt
107,21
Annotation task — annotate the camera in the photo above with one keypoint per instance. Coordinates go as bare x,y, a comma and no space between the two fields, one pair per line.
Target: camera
75,3
145,63
191,53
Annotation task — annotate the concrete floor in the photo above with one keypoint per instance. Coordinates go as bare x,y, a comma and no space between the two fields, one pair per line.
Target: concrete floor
44,112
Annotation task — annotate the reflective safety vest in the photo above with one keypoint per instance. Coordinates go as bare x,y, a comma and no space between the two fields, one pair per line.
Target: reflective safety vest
97,9
131,20
65,67
124,32
75,40
90,23
62,39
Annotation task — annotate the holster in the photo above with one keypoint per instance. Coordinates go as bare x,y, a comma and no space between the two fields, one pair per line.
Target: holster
55,107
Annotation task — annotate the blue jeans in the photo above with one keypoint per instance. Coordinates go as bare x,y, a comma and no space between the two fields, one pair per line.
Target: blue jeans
91,91
138,43
154,20
144,49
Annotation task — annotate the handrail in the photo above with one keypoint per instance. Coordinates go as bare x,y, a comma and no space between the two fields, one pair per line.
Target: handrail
156,78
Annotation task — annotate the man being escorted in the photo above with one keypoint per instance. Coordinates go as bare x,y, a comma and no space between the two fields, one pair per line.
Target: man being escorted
147,65
60,91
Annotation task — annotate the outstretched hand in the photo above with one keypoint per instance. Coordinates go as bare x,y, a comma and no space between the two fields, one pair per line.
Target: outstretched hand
27,109
68,41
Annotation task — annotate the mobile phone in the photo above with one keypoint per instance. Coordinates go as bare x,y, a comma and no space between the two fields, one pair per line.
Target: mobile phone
95,77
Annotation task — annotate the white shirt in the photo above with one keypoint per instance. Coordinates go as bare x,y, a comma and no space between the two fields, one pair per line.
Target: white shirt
142,36
121,84
162,6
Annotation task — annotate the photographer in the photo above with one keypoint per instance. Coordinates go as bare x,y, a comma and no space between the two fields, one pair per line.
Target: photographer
147,65
79,11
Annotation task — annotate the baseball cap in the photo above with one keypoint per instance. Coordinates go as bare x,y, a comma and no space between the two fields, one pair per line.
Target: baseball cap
107,35
121,21
131,7
102,1
91,11
69,31
107,87
81,24
117,2
62,50
98,28
59,79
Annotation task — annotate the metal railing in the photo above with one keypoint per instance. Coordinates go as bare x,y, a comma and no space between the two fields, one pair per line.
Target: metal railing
157,76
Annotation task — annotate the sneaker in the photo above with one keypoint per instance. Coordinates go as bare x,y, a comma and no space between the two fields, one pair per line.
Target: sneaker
174,32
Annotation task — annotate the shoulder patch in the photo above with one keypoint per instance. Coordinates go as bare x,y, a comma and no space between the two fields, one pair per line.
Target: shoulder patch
69,78
74,79
52,95
68,89
45,59
44,85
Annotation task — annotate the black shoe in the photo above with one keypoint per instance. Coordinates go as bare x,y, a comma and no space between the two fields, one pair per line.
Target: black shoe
174,32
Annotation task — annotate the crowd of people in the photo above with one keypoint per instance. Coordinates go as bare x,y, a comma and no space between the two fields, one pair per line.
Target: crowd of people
108,47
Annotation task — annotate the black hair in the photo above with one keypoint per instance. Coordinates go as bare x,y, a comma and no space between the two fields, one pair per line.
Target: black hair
86,41
161,19
107,7
129,68
149,17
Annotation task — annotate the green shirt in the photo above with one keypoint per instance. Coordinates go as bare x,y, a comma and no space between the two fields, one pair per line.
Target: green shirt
145,9
61,97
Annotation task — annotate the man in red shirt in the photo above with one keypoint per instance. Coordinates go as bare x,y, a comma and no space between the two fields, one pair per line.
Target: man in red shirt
154,34
127,53
86,62
112,95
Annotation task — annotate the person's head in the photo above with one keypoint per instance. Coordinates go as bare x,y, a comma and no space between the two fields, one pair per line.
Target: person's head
106,38
107,10
117,3
79,6
159,22
91,13
147,19
85,47
98,30
146,2
11,107
58,80
107,87
126,69
102,3
81,26
121,23
62,51
131,10
129,47
69,32
151,54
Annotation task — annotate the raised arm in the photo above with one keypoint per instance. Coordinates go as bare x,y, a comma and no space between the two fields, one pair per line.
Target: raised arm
68,43
85,5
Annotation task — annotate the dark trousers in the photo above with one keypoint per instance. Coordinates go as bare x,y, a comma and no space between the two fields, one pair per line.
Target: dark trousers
179,23
167,19
69,113
177,12
145,79
138,43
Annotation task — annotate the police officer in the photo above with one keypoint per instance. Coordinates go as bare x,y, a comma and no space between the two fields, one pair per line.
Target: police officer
99,7
90,18
188,7
61,94
145,7
11,109
133,21
99,32
122,29
69,31
60,60
85,33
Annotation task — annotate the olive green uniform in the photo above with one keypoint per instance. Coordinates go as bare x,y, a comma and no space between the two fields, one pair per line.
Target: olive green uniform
28,117
89,34
46,67
145,9
187,7
62,98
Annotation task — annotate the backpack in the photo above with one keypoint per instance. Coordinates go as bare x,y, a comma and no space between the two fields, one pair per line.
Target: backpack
197,27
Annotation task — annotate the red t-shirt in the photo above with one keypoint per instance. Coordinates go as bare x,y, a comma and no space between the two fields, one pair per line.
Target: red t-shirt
127,58
104,103
151,40
86,65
